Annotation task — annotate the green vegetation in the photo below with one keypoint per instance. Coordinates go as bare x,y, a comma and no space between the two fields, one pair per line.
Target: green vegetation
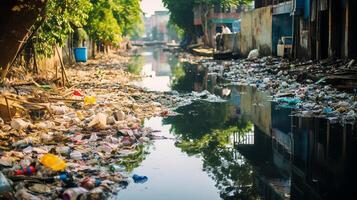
105,21
136,64
60,19
181,14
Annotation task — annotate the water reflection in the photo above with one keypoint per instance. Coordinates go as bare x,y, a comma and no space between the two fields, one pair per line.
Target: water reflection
250,147
213,140
155,66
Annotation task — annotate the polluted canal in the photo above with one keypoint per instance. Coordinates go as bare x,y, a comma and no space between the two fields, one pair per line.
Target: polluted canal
232,142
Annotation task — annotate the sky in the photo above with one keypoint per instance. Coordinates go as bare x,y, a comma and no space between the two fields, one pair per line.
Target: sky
150,6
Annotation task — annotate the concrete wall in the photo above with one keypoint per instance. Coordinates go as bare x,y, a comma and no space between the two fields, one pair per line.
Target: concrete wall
256,31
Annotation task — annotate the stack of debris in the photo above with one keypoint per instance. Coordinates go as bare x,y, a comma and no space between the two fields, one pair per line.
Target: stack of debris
310,87
70,143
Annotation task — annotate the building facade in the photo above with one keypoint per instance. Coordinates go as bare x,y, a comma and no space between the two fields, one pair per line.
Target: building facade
156,26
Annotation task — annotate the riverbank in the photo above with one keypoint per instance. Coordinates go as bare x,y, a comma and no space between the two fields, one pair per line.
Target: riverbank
64,142
314,89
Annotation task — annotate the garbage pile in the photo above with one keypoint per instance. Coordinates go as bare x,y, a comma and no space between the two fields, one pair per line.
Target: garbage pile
304,86
59,143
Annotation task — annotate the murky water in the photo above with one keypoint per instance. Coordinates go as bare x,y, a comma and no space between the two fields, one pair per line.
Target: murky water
245,148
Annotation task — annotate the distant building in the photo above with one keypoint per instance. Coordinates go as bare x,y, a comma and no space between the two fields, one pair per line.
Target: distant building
156,26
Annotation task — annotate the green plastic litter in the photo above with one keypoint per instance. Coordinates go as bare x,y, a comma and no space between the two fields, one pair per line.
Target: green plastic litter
321,80
290,101
46,87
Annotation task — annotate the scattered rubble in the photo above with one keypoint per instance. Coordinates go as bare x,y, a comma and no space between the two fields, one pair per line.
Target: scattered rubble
312,88
69,142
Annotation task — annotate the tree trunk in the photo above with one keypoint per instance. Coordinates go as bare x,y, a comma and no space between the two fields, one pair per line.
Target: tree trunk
15,28
204,18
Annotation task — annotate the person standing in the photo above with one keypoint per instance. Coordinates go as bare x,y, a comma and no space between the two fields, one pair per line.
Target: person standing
226,30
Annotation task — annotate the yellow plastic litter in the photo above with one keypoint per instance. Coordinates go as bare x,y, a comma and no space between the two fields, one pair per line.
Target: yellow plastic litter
53,162
90,100
79,115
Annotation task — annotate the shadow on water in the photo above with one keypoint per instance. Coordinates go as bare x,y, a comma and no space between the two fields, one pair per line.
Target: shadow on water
248,146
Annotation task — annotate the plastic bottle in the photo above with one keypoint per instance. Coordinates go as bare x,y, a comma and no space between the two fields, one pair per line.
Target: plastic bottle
4,184
53,162
30,170
74,193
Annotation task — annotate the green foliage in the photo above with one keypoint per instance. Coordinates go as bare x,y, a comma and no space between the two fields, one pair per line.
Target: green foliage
102,25
128,16
174,31
136,64
60,19
181,13
104,20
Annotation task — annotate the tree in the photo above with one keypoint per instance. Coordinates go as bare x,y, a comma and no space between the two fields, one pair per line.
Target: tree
181,14
102,25
60,19
18,23
128,14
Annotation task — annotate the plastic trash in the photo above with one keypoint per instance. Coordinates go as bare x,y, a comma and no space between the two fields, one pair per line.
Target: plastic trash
321,80
119,115
90,100
53,162
116,168
66,178
40,188
90,183
290,101
30,170
253,54
63,150
76,155
74,193
100,121
77,93
59,110
139,179
4,184
19,124
327,110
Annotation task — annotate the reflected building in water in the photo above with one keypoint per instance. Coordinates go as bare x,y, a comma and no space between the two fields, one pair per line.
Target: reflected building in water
313,158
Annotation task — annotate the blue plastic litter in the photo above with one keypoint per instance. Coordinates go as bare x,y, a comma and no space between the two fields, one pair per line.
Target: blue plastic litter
80,54
140,179
327,110
290,101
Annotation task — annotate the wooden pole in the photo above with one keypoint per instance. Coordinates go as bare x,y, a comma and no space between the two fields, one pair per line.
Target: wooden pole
64,75
8,108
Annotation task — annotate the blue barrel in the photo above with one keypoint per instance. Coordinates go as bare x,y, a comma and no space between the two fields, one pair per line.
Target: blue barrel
80,54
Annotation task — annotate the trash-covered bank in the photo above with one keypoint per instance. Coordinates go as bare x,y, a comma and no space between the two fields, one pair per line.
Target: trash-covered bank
325,89
68,142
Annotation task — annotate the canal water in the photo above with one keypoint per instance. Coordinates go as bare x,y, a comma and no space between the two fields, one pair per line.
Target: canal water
247,147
